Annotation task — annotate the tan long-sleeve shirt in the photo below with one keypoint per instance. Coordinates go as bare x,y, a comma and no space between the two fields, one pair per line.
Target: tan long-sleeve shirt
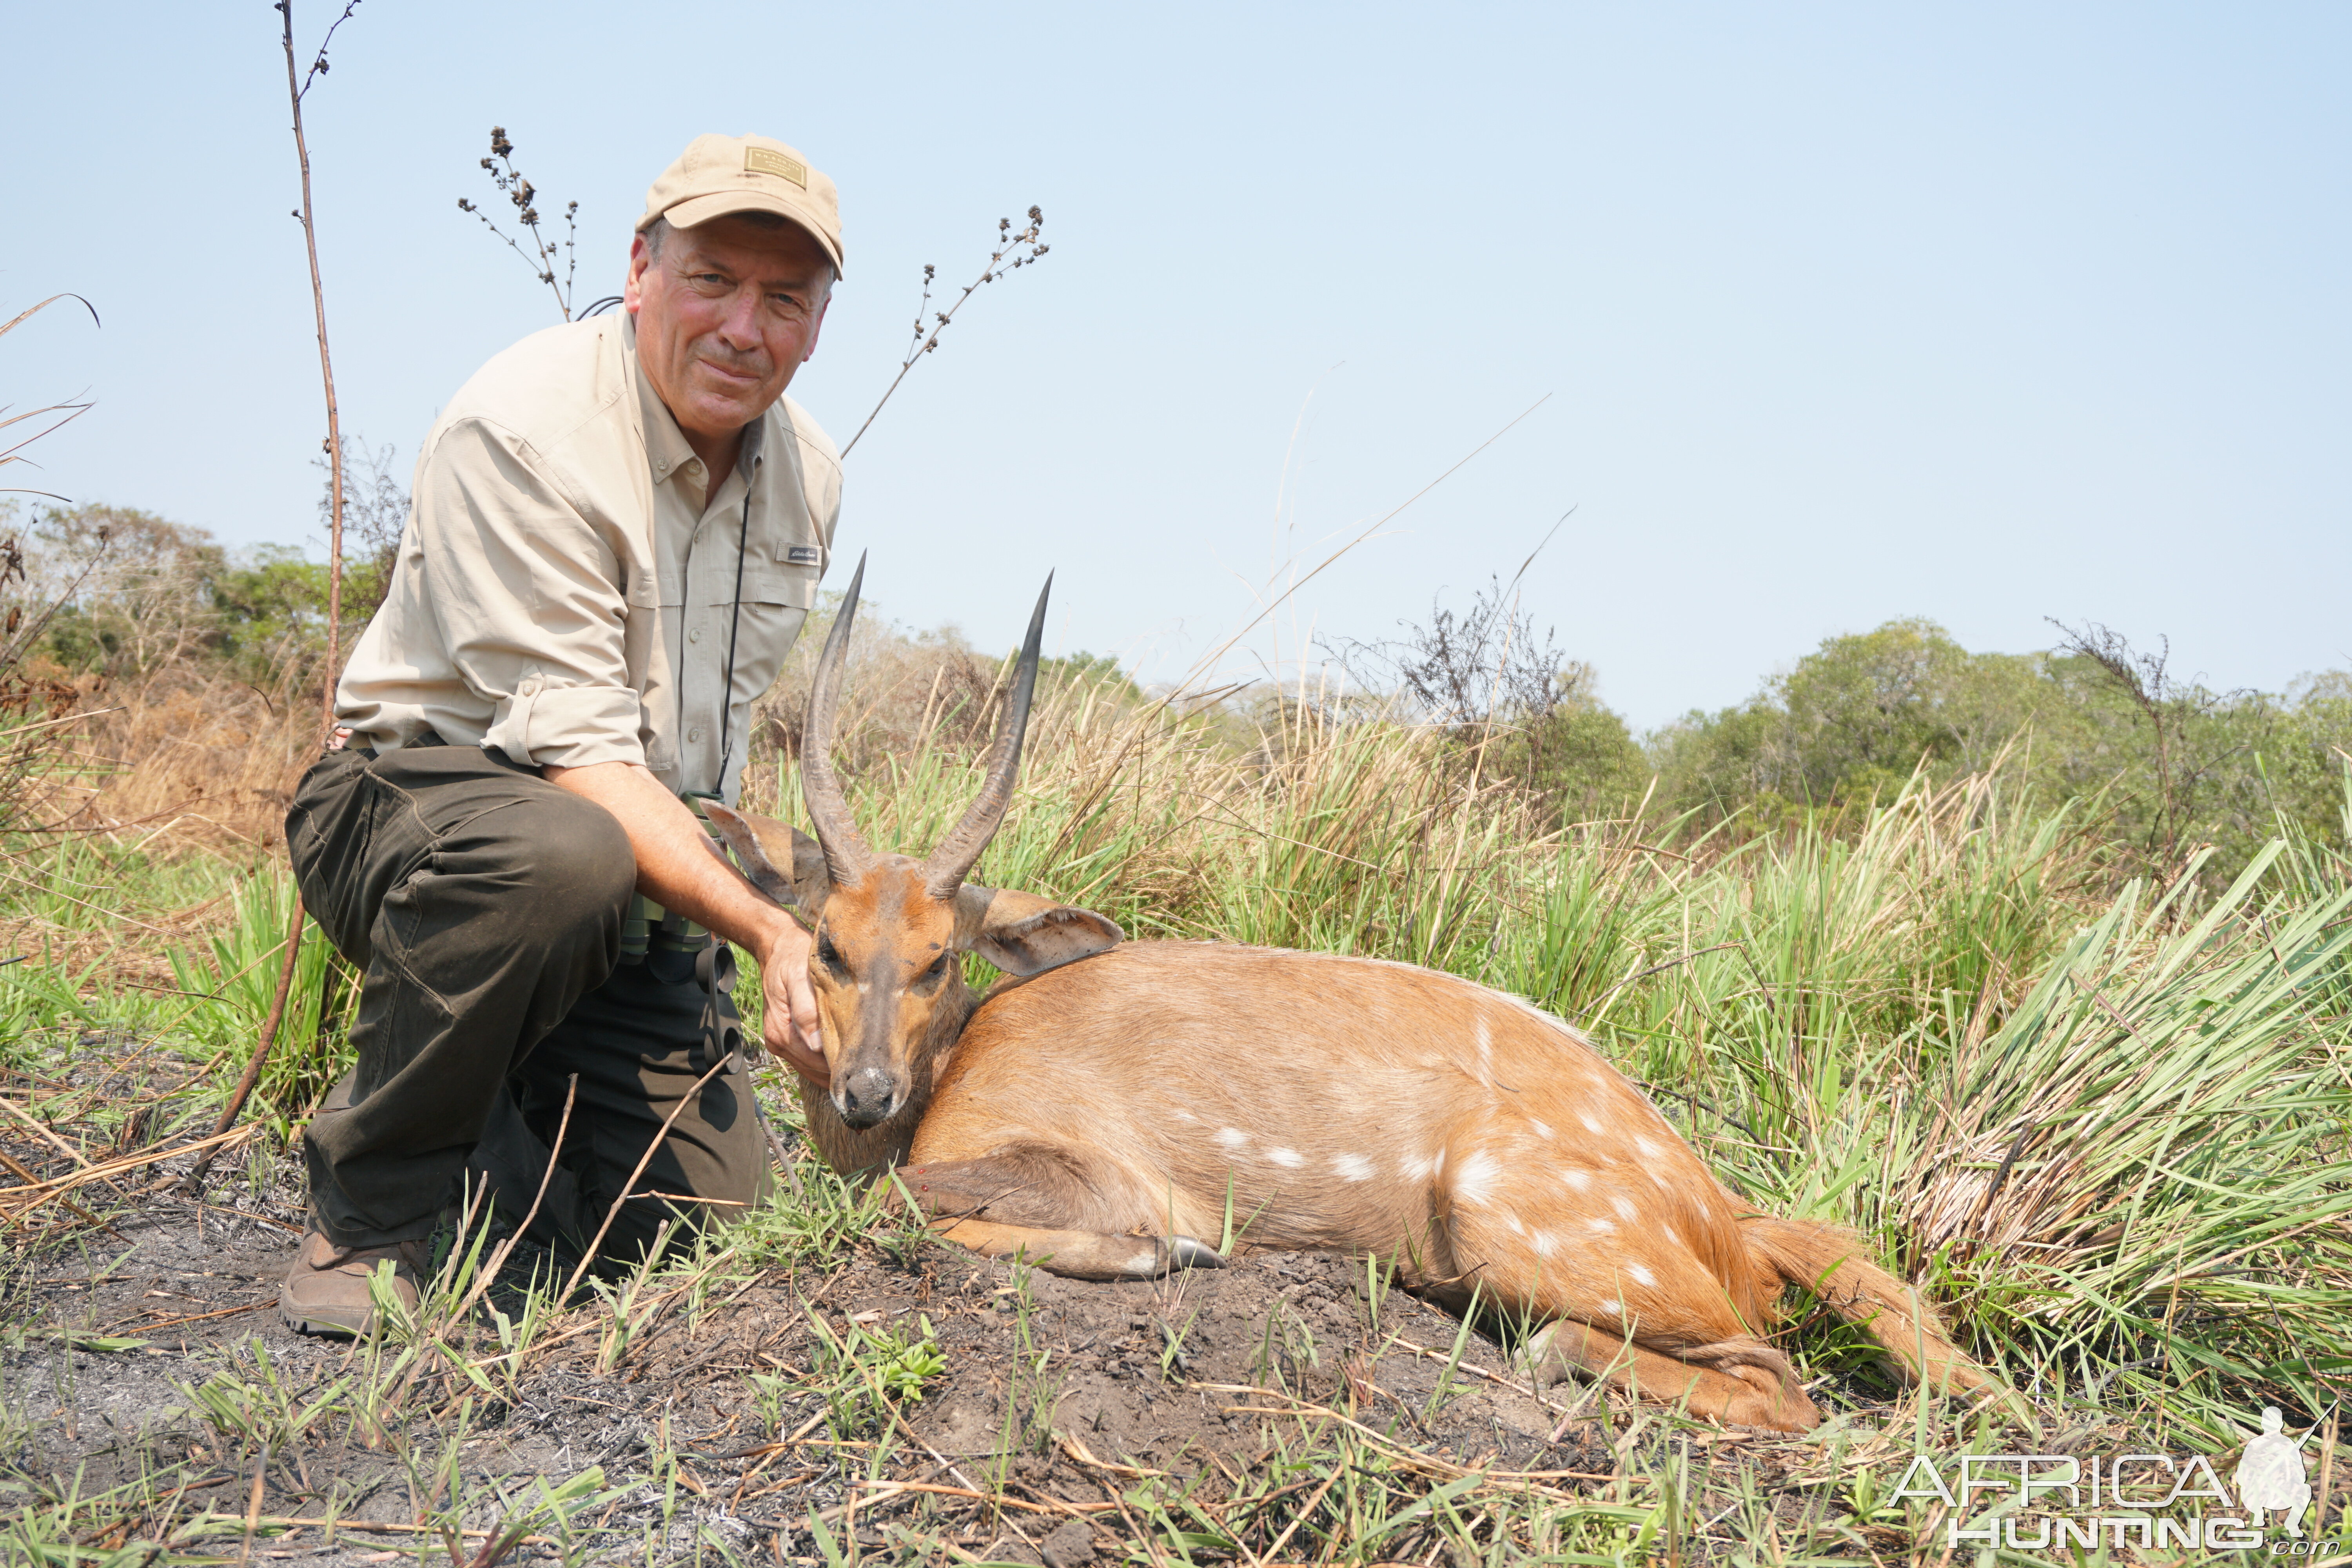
565,589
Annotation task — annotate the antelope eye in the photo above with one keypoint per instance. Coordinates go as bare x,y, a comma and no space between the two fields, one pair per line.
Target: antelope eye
830,956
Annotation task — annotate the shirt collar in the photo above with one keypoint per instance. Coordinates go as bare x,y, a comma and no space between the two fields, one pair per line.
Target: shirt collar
666,449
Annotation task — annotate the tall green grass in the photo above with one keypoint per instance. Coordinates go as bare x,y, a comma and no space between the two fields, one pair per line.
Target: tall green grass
210,934
231,981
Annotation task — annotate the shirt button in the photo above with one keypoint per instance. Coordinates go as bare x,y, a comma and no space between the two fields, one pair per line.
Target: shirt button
695,735
694,635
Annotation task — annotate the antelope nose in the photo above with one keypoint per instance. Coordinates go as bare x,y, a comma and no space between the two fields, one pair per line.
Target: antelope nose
868,1095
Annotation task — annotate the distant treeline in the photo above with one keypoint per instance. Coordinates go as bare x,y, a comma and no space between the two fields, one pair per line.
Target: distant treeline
2164,764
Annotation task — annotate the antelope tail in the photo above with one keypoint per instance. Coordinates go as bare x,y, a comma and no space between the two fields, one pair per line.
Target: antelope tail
1831,1263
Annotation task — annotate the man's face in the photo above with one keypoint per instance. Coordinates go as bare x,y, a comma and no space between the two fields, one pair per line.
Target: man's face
725,315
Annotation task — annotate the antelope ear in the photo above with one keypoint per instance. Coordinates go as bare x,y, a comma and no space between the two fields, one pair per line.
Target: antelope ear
1023,934
753,837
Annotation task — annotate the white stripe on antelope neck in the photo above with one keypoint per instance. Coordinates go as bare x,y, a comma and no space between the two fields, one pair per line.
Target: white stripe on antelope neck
1233,1137
1290,1159
1352,1167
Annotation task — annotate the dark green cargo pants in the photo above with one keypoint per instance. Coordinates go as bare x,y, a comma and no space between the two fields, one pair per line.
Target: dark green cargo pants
483,907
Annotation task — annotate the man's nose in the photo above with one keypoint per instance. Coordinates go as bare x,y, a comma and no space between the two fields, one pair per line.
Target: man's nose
739,328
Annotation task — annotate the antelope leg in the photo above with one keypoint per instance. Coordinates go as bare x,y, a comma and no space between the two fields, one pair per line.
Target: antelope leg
1030,1203
1079,1254
1742,1389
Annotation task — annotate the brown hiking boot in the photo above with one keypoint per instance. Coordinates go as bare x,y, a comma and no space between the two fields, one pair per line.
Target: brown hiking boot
325,1290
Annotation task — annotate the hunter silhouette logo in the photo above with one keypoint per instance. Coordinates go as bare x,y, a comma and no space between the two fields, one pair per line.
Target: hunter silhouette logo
2145,1500
2270,1477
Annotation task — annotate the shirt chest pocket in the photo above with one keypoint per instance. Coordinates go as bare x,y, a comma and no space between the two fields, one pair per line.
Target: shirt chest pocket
783,581
783,573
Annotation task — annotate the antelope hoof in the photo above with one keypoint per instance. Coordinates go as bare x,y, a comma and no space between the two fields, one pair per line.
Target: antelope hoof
1183,1252
1546,1366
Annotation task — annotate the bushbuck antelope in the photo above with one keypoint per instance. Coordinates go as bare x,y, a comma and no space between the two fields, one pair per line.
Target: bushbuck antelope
1110,1102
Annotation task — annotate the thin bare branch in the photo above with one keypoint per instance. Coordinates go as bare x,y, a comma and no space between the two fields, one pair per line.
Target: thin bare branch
925,339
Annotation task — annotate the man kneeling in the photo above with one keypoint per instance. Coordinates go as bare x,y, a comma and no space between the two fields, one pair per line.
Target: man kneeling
618,528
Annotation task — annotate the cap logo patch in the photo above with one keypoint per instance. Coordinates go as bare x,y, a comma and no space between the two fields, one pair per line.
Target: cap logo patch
760,161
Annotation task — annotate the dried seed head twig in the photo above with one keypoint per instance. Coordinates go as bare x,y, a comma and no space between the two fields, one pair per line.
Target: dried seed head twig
1023,247
523,197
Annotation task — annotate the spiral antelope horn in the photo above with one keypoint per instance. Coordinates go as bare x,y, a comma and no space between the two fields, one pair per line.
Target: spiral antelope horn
846,854
949,864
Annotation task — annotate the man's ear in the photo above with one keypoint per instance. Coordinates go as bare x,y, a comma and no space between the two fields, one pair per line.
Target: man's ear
759,842
633,288
1023,934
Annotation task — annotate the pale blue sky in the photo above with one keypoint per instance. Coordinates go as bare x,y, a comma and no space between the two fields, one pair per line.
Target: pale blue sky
1980,312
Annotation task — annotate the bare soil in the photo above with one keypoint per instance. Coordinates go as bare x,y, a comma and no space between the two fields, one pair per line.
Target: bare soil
1066,1409
1057,1392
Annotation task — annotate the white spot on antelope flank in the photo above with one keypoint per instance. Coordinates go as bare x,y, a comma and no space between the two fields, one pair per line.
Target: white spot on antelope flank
1290,1159
1658,1182
1352,1167
1599,1227
1544,1243
1542,1130
1579,1180
1417,1168
1233,1137
1182,1115
1612,1309
1668,1232
1477,1181
1437,1166
1513,1221
1589,1125
1641,1275
1650,1151
1624,1207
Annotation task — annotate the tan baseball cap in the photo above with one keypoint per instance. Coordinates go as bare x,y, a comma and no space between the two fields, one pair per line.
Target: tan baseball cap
719,174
